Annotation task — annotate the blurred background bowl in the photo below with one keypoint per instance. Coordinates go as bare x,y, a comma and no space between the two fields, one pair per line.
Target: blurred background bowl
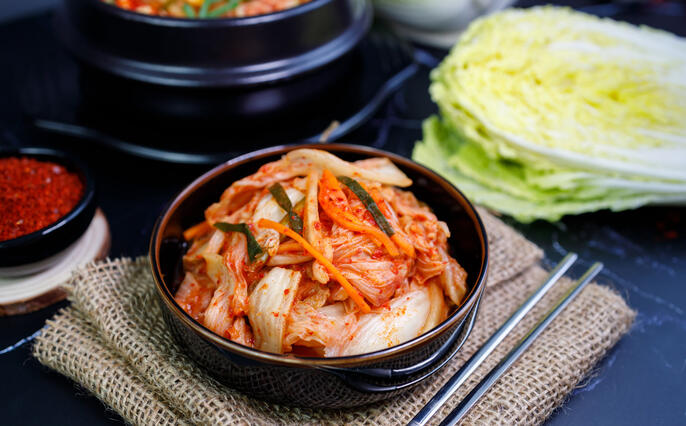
437,23
180,73
226,52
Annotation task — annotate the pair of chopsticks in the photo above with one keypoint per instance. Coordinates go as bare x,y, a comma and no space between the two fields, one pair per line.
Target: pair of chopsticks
478,358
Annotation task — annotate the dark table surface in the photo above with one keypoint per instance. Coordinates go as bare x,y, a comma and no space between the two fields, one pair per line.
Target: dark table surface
642,380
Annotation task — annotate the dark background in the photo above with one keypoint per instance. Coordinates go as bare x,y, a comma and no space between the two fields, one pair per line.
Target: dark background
642,380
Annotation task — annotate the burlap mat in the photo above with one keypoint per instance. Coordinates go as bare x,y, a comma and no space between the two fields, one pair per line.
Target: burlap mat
113,341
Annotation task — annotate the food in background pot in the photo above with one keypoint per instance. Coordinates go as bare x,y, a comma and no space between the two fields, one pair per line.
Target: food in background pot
206,8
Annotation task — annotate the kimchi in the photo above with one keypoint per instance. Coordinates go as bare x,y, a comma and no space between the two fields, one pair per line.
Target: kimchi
313,255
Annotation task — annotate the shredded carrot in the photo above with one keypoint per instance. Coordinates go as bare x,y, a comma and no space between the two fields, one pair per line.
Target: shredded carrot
289,247
404,245
196,230
402,242
352,291
331,194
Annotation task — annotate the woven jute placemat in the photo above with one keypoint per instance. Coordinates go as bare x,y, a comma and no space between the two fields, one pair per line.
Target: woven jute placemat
112,340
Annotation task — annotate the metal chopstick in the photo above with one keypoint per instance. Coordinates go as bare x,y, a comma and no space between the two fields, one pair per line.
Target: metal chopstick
466,404
475,361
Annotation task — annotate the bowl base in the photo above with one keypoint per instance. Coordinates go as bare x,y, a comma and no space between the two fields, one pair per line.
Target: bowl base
27,288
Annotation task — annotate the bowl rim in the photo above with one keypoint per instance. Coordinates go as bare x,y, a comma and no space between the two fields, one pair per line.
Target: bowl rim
293,360
172,21
67,161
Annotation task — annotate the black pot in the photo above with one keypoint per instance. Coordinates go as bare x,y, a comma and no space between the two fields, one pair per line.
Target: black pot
140,71
320,382
229,52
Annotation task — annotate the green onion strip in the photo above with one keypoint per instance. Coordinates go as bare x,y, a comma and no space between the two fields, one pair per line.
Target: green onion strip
205,8
369,203
188,10
254,248
294,221
231,5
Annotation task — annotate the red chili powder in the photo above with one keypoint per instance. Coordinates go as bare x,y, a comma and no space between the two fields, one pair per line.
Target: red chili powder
34,194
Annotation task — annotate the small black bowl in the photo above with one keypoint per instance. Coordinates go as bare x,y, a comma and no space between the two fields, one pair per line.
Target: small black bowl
307,381
37,246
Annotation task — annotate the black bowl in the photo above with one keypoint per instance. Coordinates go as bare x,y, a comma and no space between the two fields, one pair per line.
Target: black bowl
175,73
320,382
229,52
40,245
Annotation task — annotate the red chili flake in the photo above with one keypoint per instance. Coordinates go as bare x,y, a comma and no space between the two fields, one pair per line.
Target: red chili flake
298,267
378,253
34,194
286,291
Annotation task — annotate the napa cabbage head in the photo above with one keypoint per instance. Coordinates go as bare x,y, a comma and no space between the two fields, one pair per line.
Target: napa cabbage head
547,112
553,87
